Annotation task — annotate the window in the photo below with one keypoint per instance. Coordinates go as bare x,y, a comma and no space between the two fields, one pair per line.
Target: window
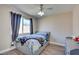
24,26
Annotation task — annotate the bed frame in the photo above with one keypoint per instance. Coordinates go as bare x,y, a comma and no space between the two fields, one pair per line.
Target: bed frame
26,51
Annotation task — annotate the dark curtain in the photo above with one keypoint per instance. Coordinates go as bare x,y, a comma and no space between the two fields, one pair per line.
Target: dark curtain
31,25
15,24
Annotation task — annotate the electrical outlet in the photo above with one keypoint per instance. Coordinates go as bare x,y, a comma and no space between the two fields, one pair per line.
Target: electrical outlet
12,44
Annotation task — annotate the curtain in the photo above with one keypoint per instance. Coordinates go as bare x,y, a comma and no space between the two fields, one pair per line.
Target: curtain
31,25
15,24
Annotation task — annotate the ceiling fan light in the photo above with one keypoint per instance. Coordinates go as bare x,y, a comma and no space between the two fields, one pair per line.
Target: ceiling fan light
41,13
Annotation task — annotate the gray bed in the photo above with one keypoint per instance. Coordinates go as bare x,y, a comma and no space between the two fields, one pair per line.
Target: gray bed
29,51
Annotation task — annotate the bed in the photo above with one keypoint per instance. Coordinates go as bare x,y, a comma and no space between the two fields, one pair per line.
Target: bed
32,44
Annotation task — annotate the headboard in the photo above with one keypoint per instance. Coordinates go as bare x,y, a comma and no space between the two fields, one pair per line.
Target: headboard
47,36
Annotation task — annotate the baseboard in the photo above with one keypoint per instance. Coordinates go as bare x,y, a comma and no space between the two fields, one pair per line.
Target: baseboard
6,50
57,44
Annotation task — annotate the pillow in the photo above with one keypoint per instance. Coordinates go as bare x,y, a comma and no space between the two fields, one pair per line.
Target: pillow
46,34
42,33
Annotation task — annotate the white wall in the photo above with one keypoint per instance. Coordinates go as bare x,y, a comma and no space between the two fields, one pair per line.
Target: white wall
76,20
5,25
5,29
59,25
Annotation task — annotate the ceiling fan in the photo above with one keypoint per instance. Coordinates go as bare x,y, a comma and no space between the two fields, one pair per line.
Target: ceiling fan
41,12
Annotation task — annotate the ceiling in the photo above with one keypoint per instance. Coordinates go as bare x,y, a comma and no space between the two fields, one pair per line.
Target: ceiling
49,9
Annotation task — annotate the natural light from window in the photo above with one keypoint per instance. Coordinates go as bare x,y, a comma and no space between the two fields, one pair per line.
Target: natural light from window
24,26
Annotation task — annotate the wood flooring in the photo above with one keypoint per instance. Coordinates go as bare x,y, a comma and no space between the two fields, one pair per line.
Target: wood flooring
49,50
